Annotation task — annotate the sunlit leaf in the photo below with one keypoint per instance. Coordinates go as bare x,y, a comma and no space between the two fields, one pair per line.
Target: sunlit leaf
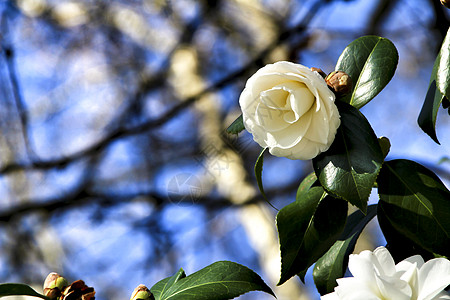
18,289
307,228
441,68
306,184
416,204
438,89
350,167
332,265
371,62
219,281
161,287
237,126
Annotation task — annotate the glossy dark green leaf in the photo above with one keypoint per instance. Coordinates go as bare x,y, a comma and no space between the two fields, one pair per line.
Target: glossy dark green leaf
161,287
385,145
428,113
332,265
307,228
237,126
19,289
416,204
398,245
348,169
219,281
438,89
371,62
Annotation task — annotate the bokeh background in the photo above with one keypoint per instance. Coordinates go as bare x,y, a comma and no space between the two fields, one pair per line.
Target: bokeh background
115,166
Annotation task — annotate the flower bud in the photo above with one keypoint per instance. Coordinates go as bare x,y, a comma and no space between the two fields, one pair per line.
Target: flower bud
78,290
142,293
339,82
446,3
54,284
322,73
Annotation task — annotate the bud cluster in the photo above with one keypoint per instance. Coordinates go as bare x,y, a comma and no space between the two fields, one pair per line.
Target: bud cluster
57,287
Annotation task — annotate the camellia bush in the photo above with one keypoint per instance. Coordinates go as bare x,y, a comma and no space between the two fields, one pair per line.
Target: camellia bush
298,112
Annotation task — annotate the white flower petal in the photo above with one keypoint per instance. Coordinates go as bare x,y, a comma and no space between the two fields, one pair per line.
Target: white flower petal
290,117
290,136
275,98
386,262
361,266
393,288
355,289
408,272
319,128
301,99
302,150
434,276
270,119
415,259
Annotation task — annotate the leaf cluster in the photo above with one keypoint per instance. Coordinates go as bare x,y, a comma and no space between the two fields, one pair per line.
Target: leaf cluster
413,210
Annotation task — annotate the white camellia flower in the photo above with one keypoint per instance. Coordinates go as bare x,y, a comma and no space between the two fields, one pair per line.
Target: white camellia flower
376,276
289,109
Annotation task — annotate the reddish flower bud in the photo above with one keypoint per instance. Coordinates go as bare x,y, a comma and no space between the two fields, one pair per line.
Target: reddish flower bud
339,82
142,293
54,284
78,290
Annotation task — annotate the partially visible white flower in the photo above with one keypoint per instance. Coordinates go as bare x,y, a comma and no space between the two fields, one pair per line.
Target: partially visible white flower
376,276
289,109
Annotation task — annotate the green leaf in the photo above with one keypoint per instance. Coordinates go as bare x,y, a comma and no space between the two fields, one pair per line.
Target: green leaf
348,169
219,281
237,126
416,204
428,113
161,287
332,265
398,245
307,228
438,89
385,145
258,172
441,68
371,62
18,289
306,184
